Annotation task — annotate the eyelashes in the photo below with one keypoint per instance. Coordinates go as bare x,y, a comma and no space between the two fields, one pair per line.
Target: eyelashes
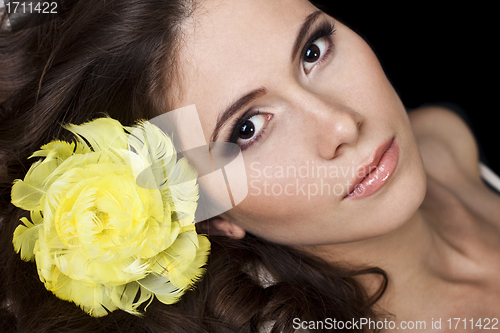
325,29
318,46
248,129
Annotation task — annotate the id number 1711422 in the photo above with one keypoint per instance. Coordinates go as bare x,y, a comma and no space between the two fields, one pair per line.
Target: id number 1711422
481,323
30,7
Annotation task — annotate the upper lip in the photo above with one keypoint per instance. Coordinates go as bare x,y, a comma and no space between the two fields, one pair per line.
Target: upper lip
365,169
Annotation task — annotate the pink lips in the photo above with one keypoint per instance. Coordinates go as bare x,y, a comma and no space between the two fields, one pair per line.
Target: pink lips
374,175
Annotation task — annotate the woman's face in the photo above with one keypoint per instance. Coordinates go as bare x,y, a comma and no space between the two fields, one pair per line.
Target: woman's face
316,113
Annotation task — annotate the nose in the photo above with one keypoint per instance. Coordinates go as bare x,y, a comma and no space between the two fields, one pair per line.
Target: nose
337,128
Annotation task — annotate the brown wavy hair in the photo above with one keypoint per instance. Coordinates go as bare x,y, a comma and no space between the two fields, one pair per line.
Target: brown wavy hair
118,57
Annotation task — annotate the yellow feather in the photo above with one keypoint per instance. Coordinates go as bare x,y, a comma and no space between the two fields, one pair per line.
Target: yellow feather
118,212
26,196
189,271
164,290
123,297
25,237
101,135
59,150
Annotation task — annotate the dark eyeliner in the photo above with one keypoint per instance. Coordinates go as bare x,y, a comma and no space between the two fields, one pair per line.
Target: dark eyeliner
233,138
325,29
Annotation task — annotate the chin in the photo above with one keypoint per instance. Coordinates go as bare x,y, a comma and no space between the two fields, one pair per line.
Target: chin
406,197
395,205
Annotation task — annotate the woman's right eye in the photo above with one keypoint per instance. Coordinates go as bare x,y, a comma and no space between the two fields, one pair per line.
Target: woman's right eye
250,129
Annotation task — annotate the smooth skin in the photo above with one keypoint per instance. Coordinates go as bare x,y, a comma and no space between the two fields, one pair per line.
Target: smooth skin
434,227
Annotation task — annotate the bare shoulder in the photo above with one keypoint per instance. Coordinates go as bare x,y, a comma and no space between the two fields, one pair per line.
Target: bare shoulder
448,147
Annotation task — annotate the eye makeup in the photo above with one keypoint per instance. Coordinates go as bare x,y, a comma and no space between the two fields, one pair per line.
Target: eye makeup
240,122
326,30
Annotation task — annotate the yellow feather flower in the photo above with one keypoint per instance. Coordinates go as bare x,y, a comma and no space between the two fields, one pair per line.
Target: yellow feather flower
112,218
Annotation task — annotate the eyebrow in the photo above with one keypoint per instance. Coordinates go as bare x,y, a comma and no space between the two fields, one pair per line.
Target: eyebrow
231,110
254,94
304,30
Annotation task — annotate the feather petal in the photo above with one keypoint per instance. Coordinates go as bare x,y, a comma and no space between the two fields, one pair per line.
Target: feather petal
25,237
101,134
188,271
26,196
123,297
164,290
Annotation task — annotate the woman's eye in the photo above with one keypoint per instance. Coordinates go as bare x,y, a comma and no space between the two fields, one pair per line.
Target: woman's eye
314,52
250,128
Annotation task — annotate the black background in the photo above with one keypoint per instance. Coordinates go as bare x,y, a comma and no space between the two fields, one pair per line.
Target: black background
437,53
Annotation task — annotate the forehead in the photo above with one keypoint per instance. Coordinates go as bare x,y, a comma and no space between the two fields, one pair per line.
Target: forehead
231,47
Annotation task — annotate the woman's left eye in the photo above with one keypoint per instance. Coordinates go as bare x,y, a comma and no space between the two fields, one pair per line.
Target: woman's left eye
314,52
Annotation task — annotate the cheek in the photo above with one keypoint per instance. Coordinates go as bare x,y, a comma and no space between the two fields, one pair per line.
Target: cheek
272,214
285,203
281,192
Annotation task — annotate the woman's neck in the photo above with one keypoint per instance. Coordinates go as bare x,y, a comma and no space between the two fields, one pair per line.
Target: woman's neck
400,252
412,256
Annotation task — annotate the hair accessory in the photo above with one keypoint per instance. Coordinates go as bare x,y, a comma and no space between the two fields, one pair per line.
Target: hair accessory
112,218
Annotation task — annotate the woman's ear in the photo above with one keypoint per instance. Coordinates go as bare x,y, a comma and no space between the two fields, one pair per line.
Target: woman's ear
217,226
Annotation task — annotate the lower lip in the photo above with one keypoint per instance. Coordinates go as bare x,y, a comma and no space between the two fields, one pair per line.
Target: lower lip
376,179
